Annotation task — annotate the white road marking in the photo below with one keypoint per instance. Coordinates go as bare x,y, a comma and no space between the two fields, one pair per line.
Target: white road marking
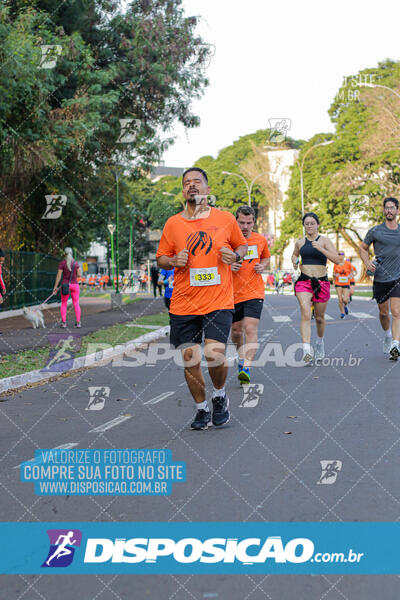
110,424
361,315
281,318
62,447
143,326
328,318
158,399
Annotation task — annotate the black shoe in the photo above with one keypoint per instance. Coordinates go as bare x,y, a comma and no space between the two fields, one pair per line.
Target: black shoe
202,419
220,414
394,353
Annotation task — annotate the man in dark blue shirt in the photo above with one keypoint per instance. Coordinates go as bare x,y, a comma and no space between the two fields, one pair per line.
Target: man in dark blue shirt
168,276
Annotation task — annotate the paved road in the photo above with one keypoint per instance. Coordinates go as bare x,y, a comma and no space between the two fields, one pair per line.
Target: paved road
250,470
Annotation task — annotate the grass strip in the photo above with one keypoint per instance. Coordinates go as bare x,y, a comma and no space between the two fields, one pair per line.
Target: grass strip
30,360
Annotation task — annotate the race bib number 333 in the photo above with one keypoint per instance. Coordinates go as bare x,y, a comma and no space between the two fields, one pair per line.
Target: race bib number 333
205,276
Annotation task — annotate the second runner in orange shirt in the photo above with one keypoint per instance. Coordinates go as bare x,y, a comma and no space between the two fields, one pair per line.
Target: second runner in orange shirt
248,291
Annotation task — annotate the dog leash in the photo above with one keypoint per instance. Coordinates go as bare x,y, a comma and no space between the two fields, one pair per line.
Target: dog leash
44,301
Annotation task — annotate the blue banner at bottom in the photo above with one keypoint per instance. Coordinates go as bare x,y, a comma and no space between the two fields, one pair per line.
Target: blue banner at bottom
151,548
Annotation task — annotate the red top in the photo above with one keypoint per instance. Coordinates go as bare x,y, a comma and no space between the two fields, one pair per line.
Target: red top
67,273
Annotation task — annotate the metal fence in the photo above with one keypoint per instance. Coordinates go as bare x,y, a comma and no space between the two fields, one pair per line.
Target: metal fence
29,278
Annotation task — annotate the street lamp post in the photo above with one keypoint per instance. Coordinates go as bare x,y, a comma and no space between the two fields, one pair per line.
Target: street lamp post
248,187
111,229
117,175
326,143
130,246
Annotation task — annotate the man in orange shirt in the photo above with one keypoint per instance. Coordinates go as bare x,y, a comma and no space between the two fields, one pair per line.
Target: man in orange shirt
248,291
342,285
352,280
201,243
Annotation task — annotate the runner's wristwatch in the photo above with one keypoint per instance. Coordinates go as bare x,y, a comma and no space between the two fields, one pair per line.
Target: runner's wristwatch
238,257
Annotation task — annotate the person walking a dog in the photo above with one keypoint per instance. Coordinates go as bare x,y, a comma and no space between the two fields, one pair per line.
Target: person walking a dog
68,270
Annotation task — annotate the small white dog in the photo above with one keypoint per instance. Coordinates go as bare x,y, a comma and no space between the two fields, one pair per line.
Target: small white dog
35,316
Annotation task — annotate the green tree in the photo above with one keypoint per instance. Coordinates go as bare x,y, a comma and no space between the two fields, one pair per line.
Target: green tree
60,129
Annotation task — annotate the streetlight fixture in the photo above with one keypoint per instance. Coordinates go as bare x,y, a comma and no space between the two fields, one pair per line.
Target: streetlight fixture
326,143
248,187
378,85
111,229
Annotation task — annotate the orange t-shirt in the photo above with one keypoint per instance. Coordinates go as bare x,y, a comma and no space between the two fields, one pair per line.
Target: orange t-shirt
205,283
352,274
342,274
248,284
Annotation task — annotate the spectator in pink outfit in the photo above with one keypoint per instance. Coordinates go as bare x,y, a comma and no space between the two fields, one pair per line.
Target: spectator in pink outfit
2,286
69,270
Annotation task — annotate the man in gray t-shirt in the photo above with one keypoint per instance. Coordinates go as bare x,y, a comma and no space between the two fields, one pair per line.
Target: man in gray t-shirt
386,269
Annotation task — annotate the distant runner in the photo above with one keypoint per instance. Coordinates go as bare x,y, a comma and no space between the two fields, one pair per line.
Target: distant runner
386,269
313,286
201,243
167,277
342,275
248,292
352,279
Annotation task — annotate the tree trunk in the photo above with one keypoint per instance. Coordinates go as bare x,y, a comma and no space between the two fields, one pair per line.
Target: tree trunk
364,278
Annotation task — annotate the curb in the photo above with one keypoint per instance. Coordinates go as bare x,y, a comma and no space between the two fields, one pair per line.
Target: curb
88,361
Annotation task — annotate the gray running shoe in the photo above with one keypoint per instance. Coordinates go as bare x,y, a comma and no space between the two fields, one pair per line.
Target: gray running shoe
387,344
319,351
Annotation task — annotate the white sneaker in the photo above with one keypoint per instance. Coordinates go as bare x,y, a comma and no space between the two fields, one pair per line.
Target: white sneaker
387,344
319,351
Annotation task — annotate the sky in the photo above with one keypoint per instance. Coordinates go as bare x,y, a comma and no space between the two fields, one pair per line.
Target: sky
280,59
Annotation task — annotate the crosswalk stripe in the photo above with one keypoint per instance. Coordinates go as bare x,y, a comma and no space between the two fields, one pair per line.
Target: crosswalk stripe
281,318
158,399
328,318
109,424
361,315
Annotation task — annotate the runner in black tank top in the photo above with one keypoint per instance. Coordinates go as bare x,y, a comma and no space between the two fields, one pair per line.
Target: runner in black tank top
312,287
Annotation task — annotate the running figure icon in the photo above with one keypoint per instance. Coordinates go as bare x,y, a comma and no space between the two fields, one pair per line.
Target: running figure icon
65,348
62,549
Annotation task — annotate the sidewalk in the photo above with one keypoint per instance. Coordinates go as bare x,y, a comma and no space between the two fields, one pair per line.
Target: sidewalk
17,333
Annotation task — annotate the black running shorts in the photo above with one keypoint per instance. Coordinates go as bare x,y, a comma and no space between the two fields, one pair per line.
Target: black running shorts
248,308
189,329
383,290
